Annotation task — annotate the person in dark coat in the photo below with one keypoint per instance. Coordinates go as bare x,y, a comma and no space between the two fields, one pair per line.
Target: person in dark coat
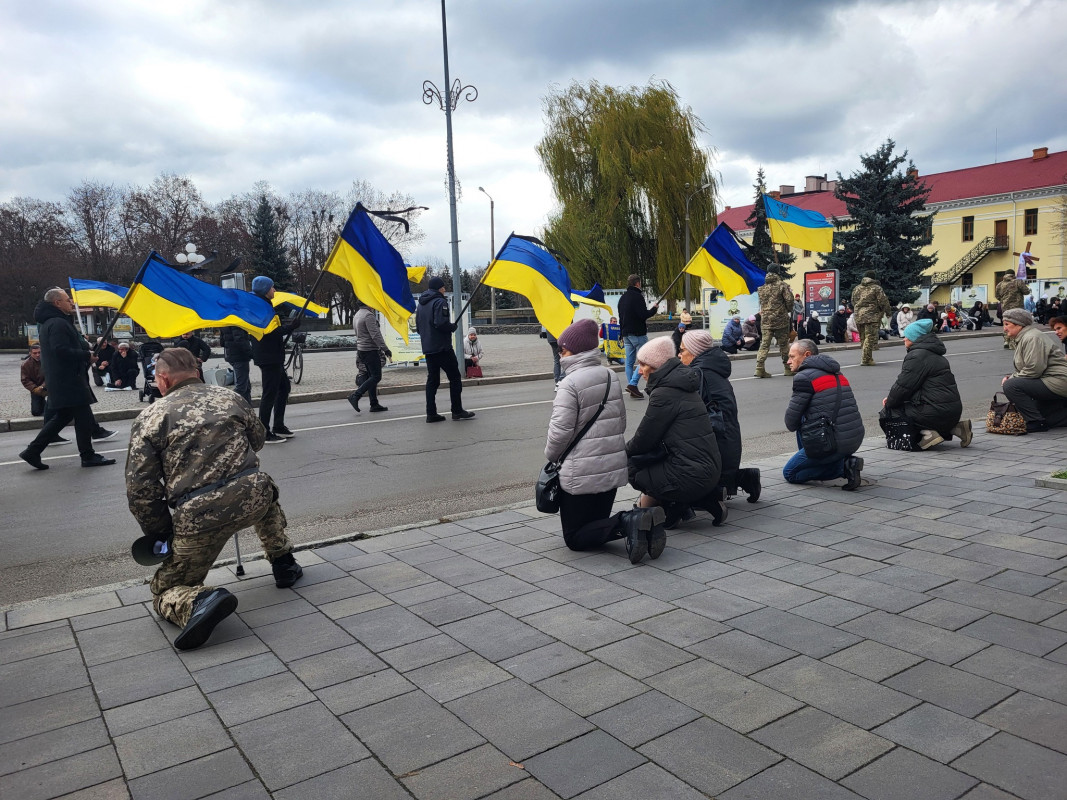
925,391
65,356
732,338
124,368
685,323
105,352
237,350
269,354
814,328
699,352
674,457
980,314
634,314
839,326
931,312
435,326
818,385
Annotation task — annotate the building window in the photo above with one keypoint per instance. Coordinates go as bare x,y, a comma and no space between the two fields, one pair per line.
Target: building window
967,280
968,229
1030,222
785,249
807,254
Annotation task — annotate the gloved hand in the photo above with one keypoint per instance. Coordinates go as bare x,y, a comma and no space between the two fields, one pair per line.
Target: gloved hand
388,353
453,327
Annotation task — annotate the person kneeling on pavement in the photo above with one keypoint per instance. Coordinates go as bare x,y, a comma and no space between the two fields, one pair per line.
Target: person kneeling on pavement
820,391
595,467
1038,384
674,456
192,482
925,392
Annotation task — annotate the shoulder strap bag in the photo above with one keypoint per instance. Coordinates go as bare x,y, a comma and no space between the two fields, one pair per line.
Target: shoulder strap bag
818,436
547,489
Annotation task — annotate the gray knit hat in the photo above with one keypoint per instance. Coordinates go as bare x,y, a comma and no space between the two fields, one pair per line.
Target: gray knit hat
1019,316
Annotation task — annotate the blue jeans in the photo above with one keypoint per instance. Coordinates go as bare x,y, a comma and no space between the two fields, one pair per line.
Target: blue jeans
632,345
801,469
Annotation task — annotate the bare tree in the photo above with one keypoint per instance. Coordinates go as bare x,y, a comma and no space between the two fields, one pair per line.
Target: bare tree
35,253
162,216
93,220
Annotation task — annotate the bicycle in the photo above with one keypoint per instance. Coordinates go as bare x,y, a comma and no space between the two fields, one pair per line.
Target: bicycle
294,365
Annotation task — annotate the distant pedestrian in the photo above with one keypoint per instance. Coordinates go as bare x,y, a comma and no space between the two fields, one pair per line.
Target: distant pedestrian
869,304
732,337
633,319
124,369
268,352
237,349
435,333
904,318
776,307
557,369
472,352
1038,384
685,322
370,344
1010,292
839,326
32,374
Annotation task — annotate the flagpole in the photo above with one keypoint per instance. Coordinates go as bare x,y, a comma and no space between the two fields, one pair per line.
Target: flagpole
129,293
481,281
318,278
669,285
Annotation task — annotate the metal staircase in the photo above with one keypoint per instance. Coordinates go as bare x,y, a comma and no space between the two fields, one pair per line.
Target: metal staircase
967,262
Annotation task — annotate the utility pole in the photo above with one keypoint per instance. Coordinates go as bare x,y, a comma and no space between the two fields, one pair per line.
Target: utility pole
492,254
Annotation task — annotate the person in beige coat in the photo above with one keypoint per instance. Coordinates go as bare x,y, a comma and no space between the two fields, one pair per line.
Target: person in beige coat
596,467
1038,385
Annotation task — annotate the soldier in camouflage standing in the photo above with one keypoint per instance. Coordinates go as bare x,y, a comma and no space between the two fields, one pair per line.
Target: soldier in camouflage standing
776,307
869,305
1010,293
192,482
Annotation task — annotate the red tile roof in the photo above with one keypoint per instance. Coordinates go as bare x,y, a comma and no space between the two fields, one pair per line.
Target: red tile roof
991,179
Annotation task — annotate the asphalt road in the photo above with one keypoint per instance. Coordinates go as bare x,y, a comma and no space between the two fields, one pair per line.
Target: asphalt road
69,528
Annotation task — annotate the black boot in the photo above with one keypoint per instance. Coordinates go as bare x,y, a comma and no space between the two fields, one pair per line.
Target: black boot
353,399
852,470
209,609
286,571
657,534
748,479
635,526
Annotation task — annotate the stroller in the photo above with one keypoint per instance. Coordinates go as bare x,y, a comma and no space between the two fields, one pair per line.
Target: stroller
148,352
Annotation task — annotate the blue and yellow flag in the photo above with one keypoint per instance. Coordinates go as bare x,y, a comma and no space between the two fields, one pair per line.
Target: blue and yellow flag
364,257
288,299
720,262
96,293
166,302
808,230
527,269
415,274
591,297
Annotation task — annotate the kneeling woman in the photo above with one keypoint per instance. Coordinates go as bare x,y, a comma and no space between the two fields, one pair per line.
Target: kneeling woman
674,456
1038,386
596,466
925,392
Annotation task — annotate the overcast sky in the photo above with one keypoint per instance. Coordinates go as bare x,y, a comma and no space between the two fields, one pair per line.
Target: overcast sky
318,94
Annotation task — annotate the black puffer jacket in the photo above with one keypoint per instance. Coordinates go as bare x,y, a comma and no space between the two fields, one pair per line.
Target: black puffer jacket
676,418
839,327
434,322
269,351
716,391
926,389
815,394
64,357
237,344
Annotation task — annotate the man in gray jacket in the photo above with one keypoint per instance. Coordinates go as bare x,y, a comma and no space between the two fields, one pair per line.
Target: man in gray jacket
369,346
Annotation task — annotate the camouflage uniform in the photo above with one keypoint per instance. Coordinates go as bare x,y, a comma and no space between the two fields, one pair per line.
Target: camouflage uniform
869,304
1010,293
199,436
776,308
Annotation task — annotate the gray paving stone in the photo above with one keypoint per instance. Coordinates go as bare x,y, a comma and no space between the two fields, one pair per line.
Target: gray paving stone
367,777
341,698
761,562
869,592
297,744
945,614
935,732
656,583
936,544
706,571
636,609
451,608
800,573
120,682
109,790
37,643
533,723
224,676
454,677
328,591
501,554
853,699
499,588
928,641
741,653
306,636
260,698
258,617
1011,580
528,789
1024,544
41,676
155,710
709,756
949,566
1036,640
1023,768
335,666
717,604
591,688
423,593
396,541
526,604
854,565
950,688
902,773
422,653
787,779
914,580
579,627
984,791
46,714
731,699
1029,609
641,656
643,718
459,570
215,653
62,777
830,746
384,628
680,628
1035,675
1059,622
320,572
587,590
53,745
60,608
795,633
194,778
1057,594
766,590
647,782
338,552
720,549
393,577
356,563
552,659
831,610
1000,557
540,569
1029,717
466,776
171,743
798,551
872,660
583,763
496,636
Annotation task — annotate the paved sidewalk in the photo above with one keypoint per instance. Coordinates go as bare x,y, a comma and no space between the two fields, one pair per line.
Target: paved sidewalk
907,641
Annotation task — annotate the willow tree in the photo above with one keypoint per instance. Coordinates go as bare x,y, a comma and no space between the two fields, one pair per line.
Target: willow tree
622,163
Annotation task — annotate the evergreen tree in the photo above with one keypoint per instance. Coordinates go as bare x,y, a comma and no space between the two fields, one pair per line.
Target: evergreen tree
762,252
269,255
887,227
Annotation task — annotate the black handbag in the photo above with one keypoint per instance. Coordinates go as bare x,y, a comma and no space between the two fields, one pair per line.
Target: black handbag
899,432
547,488
818,436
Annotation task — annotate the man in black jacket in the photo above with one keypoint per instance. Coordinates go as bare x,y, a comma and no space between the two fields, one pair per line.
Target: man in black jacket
435,328
65,357
269,355
633,320
821,391
237,347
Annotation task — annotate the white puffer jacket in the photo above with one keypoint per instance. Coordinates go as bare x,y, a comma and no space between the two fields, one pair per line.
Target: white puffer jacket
598,462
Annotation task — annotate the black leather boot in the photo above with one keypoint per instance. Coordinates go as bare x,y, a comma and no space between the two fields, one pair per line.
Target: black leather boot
748,480
209,609
286,571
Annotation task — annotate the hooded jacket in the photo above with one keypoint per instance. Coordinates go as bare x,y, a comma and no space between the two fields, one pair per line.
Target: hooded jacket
677,419
368,332
815,395
716,392
269,350
1036,356
434,323
926,389
731,334
869,303
598,461
65,358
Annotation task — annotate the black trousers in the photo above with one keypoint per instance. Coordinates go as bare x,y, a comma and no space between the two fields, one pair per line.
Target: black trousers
276,387
435,363
587,519
371,361
36,405
57,419
241,383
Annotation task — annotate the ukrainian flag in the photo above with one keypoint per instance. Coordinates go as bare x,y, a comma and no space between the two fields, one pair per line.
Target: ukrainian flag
295,300
364,258
591,297
720,262
415,274
96,293
808,230
523,267
168,303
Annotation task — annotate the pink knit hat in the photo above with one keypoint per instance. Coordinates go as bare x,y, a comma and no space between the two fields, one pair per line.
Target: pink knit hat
696,342
656,352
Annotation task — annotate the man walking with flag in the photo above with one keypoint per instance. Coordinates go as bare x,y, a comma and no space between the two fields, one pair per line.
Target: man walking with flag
435,328
269,355
633,319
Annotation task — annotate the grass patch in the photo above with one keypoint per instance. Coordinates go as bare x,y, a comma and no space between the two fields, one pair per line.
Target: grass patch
1060,474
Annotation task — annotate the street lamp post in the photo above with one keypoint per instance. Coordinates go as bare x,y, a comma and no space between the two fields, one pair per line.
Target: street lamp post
189,256
687,242
492,253
455,91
